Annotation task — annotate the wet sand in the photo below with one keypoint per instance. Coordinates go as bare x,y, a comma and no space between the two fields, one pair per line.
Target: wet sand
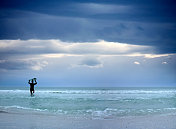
43,121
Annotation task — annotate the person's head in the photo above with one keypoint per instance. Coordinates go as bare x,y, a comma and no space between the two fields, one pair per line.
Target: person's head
32,81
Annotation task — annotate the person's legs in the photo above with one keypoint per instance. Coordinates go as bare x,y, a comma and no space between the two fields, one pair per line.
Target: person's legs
31,92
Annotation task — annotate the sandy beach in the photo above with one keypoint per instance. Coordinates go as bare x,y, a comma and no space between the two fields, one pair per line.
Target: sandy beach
43,121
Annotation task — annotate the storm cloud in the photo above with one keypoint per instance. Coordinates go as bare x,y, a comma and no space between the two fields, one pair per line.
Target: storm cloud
141,22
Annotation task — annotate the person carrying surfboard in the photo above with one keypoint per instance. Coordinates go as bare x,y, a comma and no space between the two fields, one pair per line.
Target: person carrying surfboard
31,82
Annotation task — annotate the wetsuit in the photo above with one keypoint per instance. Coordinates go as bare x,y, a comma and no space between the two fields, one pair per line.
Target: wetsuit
32,87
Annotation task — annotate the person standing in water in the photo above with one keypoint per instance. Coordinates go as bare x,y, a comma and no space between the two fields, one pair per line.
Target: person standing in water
31,82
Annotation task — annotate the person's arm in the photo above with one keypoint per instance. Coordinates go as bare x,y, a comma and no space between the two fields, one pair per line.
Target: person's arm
35,82
29,82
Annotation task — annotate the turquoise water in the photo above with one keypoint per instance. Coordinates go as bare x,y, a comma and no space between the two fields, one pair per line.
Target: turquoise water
91,102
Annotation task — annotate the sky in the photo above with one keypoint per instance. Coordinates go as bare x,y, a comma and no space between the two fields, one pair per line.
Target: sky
88,43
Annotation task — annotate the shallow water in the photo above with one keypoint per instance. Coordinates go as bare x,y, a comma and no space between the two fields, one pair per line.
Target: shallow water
91,102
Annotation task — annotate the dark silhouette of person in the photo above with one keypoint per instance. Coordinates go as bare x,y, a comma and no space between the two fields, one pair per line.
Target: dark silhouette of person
32,86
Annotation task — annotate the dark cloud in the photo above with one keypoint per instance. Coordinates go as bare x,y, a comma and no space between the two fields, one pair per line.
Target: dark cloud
141,9
13,65
91,62
22,64
142,22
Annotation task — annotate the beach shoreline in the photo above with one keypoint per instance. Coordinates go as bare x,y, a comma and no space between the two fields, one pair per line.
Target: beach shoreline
136,108
23,120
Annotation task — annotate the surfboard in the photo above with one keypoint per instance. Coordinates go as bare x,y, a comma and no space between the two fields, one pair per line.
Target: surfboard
34,79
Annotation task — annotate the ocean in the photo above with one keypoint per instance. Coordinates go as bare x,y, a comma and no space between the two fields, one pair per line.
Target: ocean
98,103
